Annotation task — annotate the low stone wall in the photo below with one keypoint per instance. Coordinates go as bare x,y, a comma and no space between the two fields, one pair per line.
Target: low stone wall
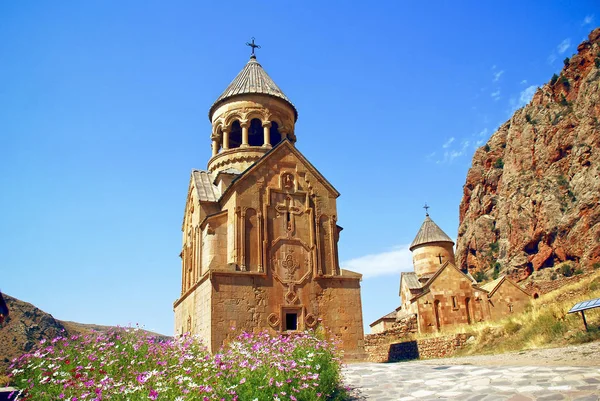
441,347
377,346
397,345
435,347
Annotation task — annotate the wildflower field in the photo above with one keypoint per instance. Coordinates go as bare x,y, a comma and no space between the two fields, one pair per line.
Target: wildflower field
124,364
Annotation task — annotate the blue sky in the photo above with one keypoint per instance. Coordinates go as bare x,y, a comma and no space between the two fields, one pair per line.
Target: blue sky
103,113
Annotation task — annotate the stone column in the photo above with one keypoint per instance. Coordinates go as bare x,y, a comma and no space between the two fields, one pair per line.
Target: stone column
267,134
225,139
215,144
245,125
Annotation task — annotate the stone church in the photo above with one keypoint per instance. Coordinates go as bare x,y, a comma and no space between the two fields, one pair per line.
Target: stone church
439,295
260,233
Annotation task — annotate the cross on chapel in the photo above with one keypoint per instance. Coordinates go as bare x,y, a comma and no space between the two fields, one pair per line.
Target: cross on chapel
253,46
426,209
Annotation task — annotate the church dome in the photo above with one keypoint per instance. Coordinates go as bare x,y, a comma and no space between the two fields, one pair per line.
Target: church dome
428,233
253,79
250,117
430,249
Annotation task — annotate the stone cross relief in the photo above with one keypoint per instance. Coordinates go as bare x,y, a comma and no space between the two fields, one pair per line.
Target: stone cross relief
287,207
290,266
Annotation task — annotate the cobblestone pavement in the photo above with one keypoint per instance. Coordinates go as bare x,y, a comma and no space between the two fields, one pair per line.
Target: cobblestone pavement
417,381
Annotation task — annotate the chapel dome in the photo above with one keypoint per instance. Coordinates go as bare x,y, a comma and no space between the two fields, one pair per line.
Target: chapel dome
249,118
429,233
253,79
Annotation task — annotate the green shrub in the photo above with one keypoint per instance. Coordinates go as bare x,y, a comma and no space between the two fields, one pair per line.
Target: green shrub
496,273
480,276
554,79
499,163
566,62
595,284
486,147
597,62
578,271
562,181
564,81
596,265
566,269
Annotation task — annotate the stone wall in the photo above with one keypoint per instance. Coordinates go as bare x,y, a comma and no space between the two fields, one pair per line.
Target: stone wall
380,349
377,346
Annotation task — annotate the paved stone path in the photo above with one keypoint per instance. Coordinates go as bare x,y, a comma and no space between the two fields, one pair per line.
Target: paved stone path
417,381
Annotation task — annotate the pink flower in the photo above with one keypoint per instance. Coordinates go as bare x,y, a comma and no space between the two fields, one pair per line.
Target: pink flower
153,394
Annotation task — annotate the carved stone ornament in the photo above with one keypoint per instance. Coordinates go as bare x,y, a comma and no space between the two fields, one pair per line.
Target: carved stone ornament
290,265
287,181
273,320
291,296
311,320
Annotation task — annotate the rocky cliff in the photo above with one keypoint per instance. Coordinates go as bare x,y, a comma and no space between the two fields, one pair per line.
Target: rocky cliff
23,329
27,325
532,196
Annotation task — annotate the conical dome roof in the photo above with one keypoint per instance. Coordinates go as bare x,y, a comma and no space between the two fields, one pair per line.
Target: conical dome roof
429,232
252,79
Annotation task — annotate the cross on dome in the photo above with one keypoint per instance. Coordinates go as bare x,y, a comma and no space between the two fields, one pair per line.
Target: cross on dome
253,46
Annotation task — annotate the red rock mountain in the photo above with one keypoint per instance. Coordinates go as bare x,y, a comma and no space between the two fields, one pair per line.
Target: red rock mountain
532,195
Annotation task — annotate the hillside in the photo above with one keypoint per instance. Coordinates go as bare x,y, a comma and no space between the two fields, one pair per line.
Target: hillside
531,200
27,325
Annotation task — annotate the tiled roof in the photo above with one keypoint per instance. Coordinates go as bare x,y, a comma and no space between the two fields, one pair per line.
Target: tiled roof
429,232
252,79
489,287
411,280
207,192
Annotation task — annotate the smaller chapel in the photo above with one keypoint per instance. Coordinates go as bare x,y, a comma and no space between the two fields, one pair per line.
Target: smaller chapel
440,295
260,233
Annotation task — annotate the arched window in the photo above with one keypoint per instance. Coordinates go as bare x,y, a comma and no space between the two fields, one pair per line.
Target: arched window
251,241
275,135
255,133
235,135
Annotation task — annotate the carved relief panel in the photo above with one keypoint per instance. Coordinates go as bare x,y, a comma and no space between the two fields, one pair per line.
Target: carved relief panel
290,245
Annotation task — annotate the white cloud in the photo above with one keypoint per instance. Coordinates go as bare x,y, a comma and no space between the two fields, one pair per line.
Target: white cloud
448,143
483,132
563,46
588,19
551,58
478,143
495,95
526,95
524,82
392,262
497,75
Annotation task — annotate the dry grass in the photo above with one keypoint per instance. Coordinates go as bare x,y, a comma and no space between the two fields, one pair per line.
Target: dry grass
544,324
